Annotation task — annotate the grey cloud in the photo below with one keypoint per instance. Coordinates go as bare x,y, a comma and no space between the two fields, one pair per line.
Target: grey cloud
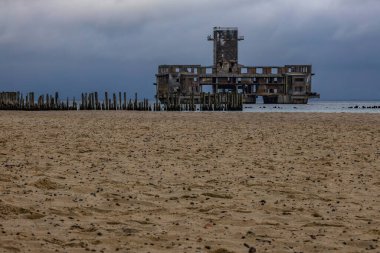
74,46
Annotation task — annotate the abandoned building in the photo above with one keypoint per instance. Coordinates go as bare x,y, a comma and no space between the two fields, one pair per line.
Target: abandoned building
227,84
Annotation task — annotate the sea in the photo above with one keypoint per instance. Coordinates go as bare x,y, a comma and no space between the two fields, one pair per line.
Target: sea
317,106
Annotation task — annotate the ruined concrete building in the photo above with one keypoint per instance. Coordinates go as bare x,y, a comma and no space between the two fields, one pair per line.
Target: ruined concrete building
289,84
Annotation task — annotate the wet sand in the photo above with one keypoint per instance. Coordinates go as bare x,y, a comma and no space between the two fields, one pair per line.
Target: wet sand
189,182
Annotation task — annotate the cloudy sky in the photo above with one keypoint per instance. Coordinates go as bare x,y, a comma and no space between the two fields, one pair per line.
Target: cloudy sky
75,46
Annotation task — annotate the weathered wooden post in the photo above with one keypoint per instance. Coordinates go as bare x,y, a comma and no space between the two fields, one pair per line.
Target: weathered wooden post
27,102
209,100
86,101
233,102
5,100
91,101
120,105
96,101
82,102
202,101
18,100
174,101
236,100
90,104
230,99
135,106
241,102
51,102
21,101
94,105
47,102
168,102
32,100
125,101
2,102
56,102
114,102
40,102
218,101
106,100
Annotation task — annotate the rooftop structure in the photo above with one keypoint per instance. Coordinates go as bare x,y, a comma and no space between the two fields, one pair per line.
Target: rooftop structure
289,84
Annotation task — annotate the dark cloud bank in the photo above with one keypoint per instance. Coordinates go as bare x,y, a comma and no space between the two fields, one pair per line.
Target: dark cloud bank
88,45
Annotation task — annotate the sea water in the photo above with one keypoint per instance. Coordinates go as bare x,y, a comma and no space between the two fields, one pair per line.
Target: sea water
317,106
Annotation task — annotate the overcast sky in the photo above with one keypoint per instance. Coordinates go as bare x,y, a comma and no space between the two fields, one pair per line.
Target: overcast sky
75,46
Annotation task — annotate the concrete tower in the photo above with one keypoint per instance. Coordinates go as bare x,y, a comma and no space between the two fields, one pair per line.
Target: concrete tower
225,49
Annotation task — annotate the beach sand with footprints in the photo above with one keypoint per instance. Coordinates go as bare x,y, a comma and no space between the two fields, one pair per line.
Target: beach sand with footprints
189,182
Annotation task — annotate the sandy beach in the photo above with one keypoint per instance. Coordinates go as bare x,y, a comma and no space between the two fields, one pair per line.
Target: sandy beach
189,182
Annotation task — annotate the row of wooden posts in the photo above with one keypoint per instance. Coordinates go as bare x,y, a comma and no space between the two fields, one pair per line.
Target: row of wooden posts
89,101
205,102
119,101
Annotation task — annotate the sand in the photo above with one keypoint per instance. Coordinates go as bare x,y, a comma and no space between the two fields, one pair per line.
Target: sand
189,182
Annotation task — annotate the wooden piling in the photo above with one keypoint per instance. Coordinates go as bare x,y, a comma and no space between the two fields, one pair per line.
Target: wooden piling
135,104
86,101
114,102
82,102
56,101
125,101
106,101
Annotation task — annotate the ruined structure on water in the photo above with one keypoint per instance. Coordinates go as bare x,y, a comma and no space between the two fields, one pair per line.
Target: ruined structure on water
227,84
